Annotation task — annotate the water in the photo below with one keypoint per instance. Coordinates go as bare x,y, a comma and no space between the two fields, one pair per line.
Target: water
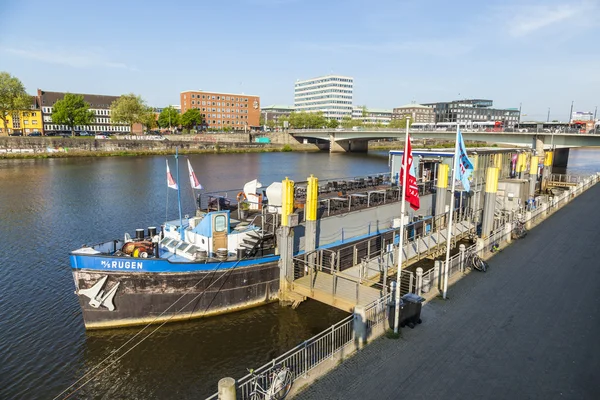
49,207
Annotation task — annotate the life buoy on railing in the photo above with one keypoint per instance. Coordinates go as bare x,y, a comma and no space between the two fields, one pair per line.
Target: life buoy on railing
241,196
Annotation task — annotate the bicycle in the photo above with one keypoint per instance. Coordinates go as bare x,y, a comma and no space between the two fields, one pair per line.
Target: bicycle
519,231
472,260
278,383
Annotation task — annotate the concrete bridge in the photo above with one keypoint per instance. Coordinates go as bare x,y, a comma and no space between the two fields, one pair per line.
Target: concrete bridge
357,141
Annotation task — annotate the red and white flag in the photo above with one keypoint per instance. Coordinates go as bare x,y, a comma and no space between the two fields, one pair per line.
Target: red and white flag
170,181
193,180
410,187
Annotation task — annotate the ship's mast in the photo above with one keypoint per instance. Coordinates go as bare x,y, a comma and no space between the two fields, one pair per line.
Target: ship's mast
179,193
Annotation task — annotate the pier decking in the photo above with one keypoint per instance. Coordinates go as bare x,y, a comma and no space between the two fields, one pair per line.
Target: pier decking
527,329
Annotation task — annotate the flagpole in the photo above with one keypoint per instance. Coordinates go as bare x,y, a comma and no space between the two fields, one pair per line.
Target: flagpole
400,239
179,193
449,234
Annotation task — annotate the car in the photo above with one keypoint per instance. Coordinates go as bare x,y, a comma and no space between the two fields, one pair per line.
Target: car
34,134
339,129
101,136
16,134
83,133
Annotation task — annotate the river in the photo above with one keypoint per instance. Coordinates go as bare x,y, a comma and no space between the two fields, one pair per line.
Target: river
49,207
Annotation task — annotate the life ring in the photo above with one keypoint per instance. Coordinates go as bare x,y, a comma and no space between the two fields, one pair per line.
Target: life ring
241,196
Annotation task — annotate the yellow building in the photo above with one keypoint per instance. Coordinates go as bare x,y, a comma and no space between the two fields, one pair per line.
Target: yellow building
23,122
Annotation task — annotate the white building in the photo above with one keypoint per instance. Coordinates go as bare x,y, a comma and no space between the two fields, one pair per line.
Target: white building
331,94
582,116
372,116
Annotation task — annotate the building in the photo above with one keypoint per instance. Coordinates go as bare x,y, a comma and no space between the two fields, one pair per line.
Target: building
274,112
23,121
372,116
419,113
221,110
582,116
99,104
332,95
474,110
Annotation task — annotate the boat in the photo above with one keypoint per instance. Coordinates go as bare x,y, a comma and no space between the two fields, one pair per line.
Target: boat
222,259
225,257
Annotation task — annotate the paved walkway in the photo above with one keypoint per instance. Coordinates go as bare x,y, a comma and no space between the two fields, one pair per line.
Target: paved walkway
527,329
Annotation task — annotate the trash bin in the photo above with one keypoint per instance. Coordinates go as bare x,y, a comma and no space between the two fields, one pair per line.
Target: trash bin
411,311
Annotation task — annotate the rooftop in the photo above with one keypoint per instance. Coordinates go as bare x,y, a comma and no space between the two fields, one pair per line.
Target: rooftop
96,100
279,107
413,105
209,92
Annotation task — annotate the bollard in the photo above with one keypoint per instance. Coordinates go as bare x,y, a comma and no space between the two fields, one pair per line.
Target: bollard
479,246
528,222
508,232
360,326
419,280
227,389
462,249
437,267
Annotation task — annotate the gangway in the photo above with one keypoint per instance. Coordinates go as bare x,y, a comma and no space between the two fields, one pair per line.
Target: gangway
344,282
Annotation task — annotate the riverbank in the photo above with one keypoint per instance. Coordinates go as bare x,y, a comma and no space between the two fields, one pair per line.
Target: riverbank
59,147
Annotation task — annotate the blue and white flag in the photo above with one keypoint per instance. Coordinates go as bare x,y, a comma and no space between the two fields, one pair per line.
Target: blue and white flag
464,165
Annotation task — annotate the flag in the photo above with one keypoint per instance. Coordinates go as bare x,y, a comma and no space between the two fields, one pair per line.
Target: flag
411,190
465,166
170,181
193,180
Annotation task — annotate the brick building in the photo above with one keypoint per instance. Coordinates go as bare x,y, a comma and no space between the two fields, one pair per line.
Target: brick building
219,110
418,113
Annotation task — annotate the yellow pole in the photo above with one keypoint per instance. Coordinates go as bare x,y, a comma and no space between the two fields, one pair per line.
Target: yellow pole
548,158
312,194
287,200
491,180
442,178
521,162
533,166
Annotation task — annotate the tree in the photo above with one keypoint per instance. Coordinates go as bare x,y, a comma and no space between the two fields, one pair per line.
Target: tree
168,117
271,124
261,120
72,110
400,123
149,119
128,109
191,118
12,96
332,123
347,121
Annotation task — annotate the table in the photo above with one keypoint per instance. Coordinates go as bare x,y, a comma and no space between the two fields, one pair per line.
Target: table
360,197
370,192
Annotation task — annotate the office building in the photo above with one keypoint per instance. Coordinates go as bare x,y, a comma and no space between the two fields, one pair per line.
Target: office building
372,116
474,110
220,110
274,112
99,104
417,112
23,122
332,95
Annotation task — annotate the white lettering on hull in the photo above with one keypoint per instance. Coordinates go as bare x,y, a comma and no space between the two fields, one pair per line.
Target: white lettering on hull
122,264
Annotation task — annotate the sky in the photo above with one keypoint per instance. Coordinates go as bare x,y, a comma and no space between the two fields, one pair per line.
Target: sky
539,54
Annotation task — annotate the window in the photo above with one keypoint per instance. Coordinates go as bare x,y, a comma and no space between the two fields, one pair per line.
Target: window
213,98
34,121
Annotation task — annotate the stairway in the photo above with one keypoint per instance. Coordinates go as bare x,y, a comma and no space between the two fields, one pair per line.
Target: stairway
255,241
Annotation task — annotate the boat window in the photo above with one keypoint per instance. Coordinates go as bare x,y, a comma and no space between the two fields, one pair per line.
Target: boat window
220,221
193,249
182,246
166,241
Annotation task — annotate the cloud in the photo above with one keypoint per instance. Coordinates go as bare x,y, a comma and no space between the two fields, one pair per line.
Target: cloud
86,59
440,48
530,19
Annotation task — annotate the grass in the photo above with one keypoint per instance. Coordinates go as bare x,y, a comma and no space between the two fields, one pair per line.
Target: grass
390,334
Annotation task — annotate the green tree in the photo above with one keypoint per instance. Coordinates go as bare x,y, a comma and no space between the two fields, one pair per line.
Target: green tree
282,119
149,119
400,123
128,109
271,124
72,110
332,123
261,120
191,118
12,96
168,117
347,121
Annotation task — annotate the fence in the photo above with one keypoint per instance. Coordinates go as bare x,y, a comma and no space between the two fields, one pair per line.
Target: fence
336,342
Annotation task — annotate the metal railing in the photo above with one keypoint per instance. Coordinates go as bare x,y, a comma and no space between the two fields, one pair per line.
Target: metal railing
316,350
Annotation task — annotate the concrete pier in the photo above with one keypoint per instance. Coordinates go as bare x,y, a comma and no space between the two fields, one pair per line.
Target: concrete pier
526,329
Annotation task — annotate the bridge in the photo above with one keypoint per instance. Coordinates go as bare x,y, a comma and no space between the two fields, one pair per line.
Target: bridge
357,141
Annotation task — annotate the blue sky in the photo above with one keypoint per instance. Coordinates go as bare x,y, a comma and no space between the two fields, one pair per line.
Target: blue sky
541,53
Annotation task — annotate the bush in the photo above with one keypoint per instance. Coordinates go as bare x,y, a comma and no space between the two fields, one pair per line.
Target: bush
287,148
